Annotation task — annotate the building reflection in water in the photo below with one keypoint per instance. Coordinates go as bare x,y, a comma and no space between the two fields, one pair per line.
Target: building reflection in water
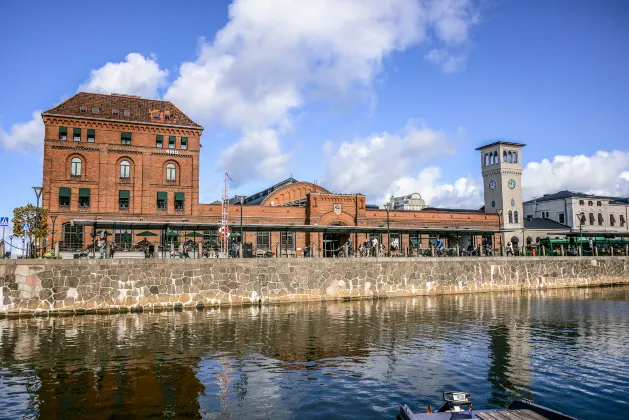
286,360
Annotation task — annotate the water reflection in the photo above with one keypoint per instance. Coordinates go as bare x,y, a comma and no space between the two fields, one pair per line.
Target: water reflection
564,348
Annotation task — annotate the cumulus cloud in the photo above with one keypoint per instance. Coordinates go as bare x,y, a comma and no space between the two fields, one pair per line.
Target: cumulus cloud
604,173
256,156
268,59
371,164
137,75
24,137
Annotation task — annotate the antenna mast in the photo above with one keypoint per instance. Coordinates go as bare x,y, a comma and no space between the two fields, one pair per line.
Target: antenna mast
225,217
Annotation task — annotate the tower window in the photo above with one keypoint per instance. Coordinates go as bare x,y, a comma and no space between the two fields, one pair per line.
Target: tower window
510,157
83,108
76,134
95,110
515,157
159,141
125,137
172,140
127,113
510,216
504,157
516,217
184,143
486,159
167,116
115,112
156,115
91,135
63,133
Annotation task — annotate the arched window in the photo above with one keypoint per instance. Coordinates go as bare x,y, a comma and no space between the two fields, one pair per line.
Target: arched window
486,159
510,157
125,169
515,157
75,168
592,219
510,216
496,158
504,156
529,240
516,217
537,240
171,172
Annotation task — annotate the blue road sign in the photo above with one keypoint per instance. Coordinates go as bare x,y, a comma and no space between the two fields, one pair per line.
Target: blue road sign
4,221
26,226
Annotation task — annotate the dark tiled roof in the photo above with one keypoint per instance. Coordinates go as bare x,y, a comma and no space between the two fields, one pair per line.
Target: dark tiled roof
571,194
482,210
540,223
259,197
508,143
139,108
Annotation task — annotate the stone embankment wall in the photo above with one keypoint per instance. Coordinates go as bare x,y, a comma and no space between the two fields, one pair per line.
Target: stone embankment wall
106,286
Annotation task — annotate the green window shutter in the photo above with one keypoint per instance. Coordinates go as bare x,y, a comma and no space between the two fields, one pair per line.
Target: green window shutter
160,138
172,139
63,130
84,192
91,132
162,195
76,131
65,192
184,140
179,196
124,194
126,135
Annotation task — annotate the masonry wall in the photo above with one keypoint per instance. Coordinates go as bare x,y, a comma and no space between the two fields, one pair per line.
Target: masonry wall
93,286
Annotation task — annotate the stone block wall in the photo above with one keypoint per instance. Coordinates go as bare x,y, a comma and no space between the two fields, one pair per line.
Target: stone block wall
104,286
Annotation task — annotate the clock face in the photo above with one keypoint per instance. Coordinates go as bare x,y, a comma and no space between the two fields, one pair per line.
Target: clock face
511,184
492,185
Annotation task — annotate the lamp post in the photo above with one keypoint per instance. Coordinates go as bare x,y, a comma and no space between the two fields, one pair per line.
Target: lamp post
11,239
38,191
387,207
499,212
53,218
241,200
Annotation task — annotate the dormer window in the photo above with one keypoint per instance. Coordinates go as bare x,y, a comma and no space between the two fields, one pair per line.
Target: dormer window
127,113
83,108
115,112
167,116
156,115
95,110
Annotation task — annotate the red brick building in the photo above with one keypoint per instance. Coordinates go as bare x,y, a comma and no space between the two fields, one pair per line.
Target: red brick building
123,159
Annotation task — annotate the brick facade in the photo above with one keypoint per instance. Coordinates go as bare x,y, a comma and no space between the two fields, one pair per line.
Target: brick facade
100,172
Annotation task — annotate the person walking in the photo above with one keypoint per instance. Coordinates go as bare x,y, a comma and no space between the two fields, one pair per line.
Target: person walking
509,249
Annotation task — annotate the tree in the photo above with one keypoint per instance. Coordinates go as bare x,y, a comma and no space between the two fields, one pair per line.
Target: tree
28,214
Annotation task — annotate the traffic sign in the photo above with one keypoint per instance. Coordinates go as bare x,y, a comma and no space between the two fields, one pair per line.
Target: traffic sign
26,226
4,221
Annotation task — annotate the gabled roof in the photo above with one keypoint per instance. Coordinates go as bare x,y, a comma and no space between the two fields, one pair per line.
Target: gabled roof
571,194
139,108
545,224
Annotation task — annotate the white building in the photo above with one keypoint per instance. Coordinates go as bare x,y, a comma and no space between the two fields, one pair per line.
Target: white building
408,202
588,213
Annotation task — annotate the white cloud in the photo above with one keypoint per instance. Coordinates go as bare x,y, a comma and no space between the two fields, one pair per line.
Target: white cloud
262,66
137,75
463,193
24,137
370,165
449,62
603,173
256,156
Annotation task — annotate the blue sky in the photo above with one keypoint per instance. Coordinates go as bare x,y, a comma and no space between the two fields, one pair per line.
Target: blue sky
371,96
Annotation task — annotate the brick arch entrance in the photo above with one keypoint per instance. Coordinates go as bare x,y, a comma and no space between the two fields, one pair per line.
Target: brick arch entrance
333,242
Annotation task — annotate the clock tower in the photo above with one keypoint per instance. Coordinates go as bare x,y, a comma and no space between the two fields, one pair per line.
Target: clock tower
502,175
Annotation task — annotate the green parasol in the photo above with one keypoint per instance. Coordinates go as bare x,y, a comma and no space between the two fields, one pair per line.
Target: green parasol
146,233
193,235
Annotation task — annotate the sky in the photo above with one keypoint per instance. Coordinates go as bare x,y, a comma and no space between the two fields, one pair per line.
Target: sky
377,97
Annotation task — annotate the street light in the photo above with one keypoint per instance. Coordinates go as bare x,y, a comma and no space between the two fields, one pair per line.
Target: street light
387,207
54,218
11,239
499,212
241,200
38,191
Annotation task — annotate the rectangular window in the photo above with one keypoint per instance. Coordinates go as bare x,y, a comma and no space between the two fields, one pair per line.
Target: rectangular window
167,116
592,219
127,113
63,133
599,203
91,135
171,142
416,241
114,112
84,197
159,141
612,220
622,220
76,134
64,196
125,137
162,199
590,203
179,200
123,199
601,220
83,108
184,143
287,240
545,215
562,218
123,237
156,115
263,240
394,242
95,110
581,202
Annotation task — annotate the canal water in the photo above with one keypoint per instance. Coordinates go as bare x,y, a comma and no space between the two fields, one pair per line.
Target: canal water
567,349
